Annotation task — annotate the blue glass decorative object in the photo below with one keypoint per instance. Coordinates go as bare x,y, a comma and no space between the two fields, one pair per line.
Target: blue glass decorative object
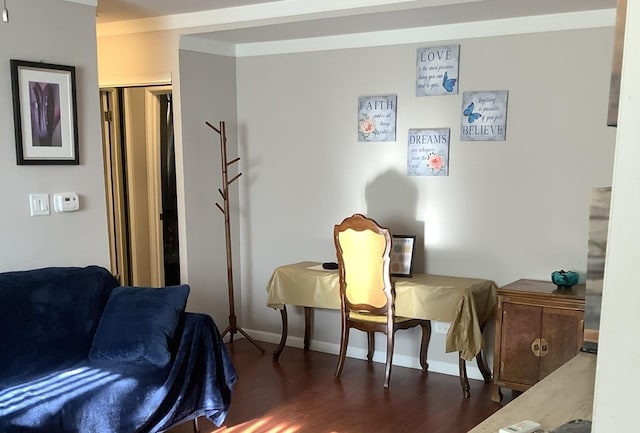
564,279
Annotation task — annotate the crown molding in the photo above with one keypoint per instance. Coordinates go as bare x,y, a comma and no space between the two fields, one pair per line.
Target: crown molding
262,14
93,3
479,29
208,46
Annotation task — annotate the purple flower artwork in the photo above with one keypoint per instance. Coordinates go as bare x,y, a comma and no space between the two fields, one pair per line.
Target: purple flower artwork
44,99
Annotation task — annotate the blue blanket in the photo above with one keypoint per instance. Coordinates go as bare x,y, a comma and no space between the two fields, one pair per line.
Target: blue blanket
107,397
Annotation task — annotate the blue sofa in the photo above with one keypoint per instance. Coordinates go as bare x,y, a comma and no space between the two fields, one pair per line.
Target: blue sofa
79,353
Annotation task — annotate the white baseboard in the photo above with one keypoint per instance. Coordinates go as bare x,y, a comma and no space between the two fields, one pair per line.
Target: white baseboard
360,353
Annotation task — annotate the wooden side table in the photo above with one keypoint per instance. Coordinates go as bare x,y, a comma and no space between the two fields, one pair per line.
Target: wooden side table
538,328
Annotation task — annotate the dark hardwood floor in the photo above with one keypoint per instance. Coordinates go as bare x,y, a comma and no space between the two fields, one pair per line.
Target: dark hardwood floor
299,394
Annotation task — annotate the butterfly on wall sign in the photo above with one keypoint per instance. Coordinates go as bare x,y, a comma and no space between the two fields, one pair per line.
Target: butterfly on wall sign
484,116
448,83
471,115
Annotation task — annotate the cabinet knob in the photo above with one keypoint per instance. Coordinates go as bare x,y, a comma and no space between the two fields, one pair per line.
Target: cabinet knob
535,347
544,347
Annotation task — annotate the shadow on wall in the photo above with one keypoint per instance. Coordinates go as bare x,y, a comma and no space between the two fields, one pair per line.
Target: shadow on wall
392,201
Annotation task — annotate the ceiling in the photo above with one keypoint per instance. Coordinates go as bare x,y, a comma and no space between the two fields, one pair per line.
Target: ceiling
298,19
122,10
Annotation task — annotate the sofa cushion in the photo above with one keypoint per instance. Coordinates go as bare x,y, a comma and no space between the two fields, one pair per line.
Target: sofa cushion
49,316
138,324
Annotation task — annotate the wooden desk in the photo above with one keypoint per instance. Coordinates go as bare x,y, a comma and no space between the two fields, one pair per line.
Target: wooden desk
564,395
466,303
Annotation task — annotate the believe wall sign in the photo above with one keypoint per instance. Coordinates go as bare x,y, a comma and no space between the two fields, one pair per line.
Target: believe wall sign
484,116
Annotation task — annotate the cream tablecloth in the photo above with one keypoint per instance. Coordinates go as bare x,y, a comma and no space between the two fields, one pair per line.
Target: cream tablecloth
464,302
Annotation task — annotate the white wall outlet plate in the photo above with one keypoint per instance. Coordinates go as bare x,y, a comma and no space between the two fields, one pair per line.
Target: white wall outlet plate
441,327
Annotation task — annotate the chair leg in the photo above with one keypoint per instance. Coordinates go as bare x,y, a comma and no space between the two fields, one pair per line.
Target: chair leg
424,344
387,371
371,345
344,341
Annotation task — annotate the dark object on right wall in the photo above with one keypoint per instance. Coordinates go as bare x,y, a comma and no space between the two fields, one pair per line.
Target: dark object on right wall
616,64
598,231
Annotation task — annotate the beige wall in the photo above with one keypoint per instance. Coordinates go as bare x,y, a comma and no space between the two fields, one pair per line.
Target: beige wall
512,209
59,32
209,95
145,58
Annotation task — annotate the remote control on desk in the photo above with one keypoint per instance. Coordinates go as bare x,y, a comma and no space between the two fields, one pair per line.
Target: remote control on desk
522,427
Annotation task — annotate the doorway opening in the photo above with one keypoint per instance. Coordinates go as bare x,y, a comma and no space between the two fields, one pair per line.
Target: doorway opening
140,181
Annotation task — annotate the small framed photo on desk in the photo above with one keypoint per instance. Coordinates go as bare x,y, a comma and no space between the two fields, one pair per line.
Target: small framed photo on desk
401,256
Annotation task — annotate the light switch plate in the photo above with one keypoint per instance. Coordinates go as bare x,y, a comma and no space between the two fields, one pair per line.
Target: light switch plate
39,204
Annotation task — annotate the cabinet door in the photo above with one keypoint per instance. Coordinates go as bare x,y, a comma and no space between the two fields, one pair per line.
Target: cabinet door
561,338
521,327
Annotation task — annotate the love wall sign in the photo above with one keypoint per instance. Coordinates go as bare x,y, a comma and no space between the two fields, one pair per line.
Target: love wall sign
437,70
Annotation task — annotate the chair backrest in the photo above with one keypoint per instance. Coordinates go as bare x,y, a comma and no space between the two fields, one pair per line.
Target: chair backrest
362,249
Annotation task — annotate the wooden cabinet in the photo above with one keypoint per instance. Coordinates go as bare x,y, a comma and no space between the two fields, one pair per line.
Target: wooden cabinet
538,328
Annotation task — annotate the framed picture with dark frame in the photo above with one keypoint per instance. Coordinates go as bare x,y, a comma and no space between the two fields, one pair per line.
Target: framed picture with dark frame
44,113
401,256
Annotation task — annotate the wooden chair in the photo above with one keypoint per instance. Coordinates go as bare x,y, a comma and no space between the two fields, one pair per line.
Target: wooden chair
366,290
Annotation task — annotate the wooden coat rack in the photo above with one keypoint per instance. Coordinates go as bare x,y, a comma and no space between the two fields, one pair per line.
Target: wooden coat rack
233,327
